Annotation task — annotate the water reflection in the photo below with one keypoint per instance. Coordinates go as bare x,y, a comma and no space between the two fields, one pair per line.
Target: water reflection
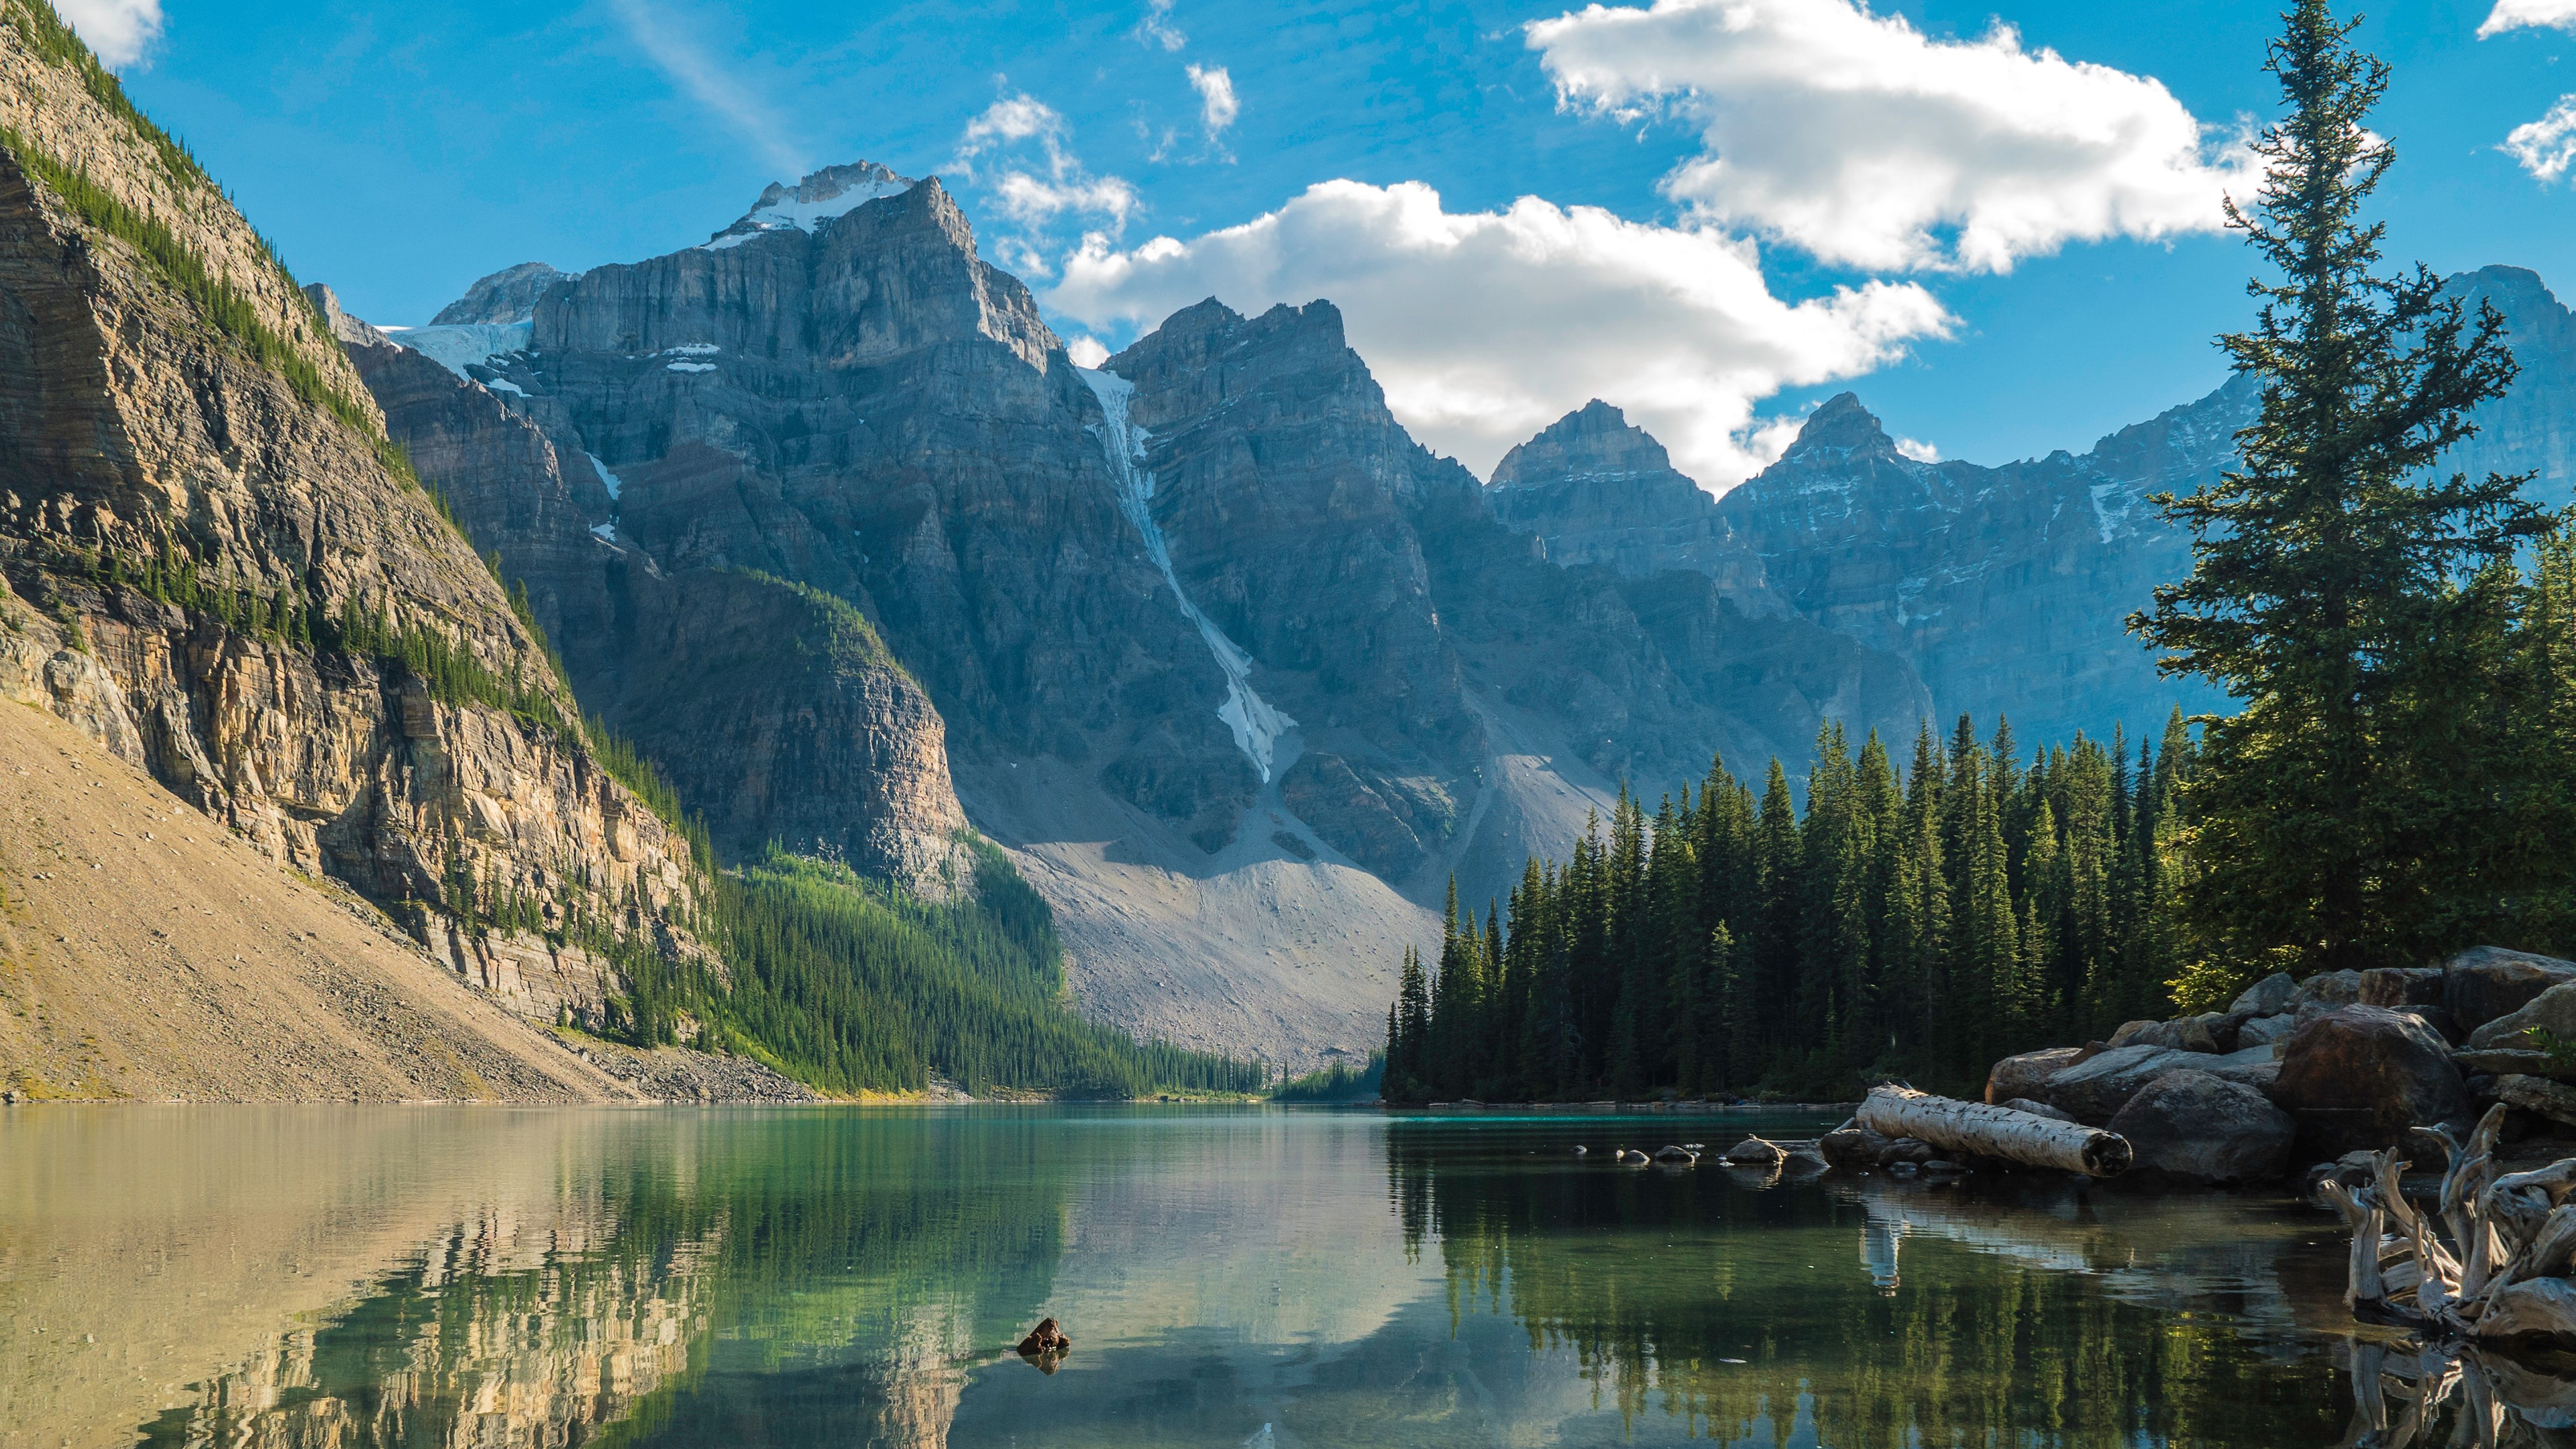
1281,1279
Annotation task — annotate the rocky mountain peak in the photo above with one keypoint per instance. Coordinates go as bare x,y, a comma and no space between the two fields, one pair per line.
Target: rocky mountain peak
1842,426
507,296
821,196
1594,439
353,331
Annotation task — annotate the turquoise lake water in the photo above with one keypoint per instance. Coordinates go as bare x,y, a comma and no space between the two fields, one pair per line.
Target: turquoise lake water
1260,1277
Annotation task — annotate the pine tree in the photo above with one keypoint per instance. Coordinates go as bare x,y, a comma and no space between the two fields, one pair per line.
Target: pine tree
2326,567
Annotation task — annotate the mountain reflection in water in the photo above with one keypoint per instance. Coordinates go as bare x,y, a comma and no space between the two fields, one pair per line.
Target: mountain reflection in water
245,1277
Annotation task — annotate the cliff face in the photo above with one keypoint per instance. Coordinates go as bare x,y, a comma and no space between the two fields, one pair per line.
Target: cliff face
210,570
1602,491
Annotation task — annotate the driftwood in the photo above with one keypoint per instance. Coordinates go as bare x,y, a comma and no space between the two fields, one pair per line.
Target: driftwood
1975,1129
2488,1261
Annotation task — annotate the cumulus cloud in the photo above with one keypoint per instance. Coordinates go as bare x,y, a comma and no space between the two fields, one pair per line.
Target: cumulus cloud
1866,142
121,31
1217,105
1919,451
1157,26
2546,147
697,72
1019,152
2528,14
1486,326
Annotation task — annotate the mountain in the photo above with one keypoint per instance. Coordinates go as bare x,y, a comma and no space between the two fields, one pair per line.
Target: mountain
1238,672
2008,589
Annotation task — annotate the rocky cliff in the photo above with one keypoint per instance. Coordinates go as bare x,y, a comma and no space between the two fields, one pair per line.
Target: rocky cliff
1600,490
213,563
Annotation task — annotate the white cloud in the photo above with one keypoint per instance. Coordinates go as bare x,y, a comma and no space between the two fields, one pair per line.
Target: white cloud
1866,142
1034,190
699,74
1087,351
1217,105
1157,26
2546,147
1486,326
1920,452
2525,14
119,30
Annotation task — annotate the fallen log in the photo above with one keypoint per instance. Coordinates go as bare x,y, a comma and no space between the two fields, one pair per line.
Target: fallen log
1999,1132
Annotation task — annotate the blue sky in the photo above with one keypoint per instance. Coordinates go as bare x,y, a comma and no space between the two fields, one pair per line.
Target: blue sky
398,152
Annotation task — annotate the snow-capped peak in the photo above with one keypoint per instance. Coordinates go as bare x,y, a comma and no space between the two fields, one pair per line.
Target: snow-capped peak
821,196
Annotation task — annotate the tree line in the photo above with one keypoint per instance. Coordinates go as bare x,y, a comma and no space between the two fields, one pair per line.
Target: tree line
1917,923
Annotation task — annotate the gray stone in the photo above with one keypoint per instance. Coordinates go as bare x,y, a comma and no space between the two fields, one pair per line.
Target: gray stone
2367,1059
2266,1030
2094,1091
2203,1128
2552,1011
2271,996
2328,989
2402,986
1852,1147
2258,1067
2486,982
2553,1100
2028,1075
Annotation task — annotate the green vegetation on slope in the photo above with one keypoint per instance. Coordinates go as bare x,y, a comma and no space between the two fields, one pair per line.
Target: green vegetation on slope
1919,927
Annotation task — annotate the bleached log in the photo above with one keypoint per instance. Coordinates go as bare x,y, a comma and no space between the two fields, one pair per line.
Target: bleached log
1975,1129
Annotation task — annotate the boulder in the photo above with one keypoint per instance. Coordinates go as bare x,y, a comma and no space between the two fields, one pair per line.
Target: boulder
2380,1072
2553,1100
2258,1067
2486,982
1852,1147
2504,1062
1683,1156
2094,1091
2396,986
1909,1151
2037,1109
2271,996
2327,989
2199,1127
2213,1031
2266,1030
2438,1018
2028,1075
2552,1011
1045,1338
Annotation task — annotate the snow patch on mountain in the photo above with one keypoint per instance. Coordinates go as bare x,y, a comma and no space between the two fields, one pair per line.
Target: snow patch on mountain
823,195
1257,727
456,344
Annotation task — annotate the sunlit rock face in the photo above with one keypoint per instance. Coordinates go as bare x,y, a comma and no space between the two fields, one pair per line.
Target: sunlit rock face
187,536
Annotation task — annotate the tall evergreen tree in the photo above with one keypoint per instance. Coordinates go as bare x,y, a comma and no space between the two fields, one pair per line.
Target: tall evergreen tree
2327,567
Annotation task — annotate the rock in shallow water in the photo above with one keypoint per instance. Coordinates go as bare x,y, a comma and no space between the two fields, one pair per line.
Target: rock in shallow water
2198,1127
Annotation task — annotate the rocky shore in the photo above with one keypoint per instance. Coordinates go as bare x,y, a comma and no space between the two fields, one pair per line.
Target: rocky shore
2307,1078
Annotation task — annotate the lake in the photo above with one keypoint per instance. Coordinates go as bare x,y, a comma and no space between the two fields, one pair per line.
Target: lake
1259,1277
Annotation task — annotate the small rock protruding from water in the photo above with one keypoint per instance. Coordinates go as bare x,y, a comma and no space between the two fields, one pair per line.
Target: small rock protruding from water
1580,1149
1046,1345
